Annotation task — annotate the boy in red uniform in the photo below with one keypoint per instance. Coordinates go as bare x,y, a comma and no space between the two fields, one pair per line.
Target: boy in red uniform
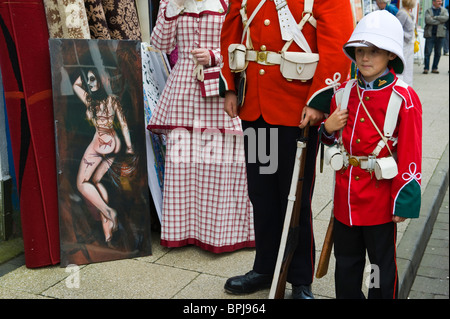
376,128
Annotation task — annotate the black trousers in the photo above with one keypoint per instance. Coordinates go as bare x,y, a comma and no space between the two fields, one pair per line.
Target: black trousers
350,247
269,189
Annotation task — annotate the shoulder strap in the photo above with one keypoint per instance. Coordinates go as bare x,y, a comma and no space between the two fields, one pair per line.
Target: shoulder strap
342,96
395,102
309,6
246,22
309,9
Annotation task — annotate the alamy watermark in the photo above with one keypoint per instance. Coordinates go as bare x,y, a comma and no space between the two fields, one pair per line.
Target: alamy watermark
373,279
224,147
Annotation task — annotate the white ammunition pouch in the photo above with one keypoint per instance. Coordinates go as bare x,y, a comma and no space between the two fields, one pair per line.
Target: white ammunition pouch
298,65
385,168
334,158
236,57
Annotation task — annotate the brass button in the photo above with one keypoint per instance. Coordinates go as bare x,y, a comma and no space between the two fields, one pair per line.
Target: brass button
266,22
358,140
367,98
362,120
262,72
263,48
356,178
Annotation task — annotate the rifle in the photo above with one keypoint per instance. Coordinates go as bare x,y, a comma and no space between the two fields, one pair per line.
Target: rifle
289,237
324,260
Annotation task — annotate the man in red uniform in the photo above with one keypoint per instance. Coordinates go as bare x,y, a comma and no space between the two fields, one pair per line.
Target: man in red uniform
274,108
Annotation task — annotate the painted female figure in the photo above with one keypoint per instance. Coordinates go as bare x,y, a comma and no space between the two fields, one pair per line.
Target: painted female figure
101,110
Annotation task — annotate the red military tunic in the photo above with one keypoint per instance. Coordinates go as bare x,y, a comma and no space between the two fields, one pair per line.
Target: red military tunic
269,94
359,198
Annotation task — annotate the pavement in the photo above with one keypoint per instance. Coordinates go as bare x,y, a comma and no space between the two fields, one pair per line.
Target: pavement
431,281
191,273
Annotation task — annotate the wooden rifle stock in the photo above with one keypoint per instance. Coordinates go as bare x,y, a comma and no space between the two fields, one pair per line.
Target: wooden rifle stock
289,237
322,267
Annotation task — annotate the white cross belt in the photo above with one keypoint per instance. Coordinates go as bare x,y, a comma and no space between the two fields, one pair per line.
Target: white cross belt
288,26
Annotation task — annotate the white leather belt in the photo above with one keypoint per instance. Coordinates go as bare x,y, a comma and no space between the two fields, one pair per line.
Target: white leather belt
364,162
263,57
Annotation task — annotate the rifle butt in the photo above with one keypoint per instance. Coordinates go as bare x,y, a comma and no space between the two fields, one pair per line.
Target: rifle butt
322,267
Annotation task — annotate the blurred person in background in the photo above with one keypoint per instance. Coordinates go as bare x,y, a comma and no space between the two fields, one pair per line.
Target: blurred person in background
385,5
434,34
407,20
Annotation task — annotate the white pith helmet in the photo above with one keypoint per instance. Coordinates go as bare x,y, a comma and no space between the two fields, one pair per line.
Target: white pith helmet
381,29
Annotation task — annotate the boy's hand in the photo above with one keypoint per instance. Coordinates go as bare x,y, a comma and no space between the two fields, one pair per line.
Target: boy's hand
398,219
336,121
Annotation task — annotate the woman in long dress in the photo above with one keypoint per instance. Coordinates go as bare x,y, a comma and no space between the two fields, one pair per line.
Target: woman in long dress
406,18
205,198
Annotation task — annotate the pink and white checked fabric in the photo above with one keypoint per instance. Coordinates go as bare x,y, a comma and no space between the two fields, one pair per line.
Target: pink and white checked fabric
205,200
210,85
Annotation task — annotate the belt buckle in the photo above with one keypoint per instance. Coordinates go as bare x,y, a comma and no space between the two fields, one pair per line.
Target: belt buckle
261,57
353,161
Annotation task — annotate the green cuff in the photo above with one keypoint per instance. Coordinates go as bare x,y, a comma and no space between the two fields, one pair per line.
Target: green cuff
322,101
408,200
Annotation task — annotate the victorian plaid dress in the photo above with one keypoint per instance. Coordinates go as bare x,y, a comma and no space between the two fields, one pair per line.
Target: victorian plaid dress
205,198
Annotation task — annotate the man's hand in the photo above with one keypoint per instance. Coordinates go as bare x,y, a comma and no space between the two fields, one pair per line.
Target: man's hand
311,116
230,105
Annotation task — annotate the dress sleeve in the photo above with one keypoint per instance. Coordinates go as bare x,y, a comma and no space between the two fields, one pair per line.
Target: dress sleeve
165,31
216,57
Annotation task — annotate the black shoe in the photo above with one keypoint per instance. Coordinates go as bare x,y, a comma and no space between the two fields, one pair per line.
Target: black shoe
248,283
302,292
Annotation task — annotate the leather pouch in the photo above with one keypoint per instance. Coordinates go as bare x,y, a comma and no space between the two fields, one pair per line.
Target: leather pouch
236,57
298,65
385,168
334,158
